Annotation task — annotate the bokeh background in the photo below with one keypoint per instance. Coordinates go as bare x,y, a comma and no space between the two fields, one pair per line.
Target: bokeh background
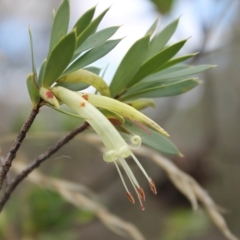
204,123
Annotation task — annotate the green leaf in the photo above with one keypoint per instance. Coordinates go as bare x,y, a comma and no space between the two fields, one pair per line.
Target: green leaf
161,39
32,54
154,140
129,65
178,71
33,90
92,56
92,69
41,72
91,28
166,89
74,86
84,20
152,28
176,61
59,59
60,24
156,62
96,39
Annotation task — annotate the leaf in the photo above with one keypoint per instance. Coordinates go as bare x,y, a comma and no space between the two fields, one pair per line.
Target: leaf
33,90
129,65
91,28
84,20
156,62
32,54
60,24
176,61
115,118
59,59
160,40
96,39
92,69
74,86
92,56
152,28
178,71
41,72
164,89
153,140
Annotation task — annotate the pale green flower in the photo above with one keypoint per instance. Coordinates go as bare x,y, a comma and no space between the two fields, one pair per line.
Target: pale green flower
117,148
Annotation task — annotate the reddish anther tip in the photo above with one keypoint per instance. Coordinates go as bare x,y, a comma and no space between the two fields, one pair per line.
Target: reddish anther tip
152,186
49,94
130,198
142,207
141,193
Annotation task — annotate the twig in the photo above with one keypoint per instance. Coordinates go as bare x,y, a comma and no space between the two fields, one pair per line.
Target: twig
17,143
37,161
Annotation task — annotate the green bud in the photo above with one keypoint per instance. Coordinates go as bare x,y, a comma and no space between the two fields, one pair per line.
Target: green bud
33,90
49,97
90,78
142,103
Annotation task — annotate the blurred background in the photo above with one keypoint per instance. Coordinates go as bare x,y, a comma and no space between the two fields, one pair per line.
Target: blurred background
204,123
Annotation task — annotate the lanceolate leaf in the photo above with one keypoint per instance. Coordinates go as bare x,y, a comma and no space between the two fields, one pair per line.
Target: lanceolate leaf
32,55
160,40
60,24
156,62
129,65
152,28
178,71
90,29
164,89
92,69
96,39
92,56
41,72
73,86
84,20
153,140
177,60
59,59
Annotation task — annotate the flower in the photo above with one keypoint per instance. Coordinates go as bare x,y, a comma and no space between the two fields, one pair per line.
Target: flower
117,148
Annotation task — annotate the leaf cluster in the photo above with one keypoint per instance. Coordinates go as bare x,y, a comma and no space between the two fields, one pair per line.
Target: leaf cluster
150,69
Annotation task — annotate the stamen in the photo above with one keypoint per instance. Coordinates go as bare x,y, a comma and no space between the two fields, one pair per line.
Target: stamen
152,186
121,176
130,198
141,167
132,180
141,193
128,171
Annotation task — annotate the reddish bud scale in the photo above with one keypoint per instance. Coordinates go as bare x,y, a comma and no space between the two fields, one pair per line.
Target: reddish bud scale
85,96
49,94
115,122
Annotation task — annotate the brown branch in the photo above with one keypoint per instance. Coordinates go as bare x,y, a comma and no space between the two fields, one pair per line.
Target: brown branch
17,143
37,161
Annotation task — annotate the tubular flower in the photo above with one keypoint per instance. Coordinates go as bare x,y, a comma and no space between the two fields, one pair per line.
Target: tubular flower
117,148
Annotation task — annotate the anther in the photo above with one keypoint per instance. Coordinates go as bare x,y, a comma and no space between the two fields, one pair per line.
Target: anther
152,186
141,193
130,198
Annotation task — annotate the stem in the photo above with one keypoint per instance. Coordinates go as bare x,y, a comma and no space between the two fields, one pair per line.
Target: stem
17,143
37,161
